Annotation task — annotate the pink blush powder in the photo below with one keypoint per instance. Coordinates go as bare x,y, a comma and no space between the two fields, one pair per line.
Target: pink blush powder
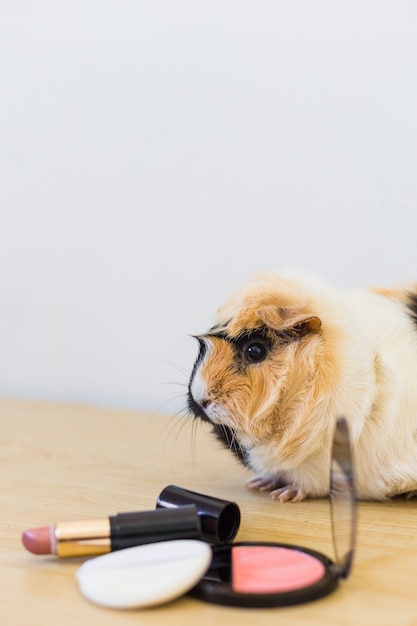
270,569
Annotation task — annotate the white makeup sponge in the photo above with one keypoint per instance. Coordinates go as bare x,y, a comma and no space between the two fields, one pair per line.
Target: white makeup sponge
145,575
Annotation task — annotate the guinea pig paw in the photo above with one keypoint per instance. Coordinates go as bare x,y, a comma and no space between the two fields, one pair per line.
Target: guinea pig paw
409,495
288,494
263,483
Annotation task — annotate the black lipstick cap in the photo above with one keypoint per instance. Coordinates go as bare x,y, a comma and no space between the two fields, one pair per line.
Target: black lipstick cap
137,528
220,519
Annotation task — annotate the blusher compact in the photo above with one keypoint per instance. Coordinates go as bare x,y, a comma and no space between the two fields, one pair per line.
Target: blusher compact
251,574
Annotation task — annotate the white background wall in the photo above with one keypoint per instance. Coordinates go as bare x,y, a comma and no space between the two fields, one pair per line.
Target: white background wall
155,154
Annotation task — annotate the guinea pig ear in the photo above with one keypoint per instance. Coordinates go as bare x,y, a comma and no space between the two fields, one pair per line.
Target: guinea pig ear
288,320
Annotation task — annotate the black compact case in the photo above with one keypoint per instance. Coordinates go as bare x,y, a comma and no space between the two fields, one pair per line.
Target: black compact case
221,585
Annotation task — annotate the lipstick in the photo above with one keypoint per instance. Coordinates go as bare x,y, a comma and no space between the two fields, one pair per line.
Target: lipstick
123,530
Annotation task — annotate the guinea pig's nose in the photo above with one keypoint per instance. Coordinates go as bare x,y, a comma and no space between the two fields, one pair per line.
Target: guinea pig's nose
205,401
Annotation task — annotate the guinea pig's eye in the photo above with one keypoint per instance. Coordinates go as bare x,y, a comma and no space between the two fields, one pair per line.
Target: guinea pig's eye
255,352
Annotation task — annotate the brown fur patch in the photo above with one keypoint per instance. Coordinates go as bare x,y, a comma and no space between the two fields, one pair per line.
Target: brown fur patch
275,398
287,356
394,294
221,374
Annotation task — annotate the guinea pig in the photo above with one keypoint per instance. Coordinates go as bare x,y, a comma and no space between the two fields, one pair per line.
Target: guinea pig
288,354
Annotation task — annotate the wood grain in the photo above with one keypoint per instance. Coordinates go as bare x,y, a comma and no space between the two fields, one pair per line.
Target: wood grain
63,462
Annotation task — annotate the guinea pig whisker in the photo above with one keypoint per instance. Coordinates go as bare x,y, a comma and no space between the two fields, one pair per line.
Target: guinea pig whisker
194,427
174,382
162,405
176,366
178,426
174,424
234,444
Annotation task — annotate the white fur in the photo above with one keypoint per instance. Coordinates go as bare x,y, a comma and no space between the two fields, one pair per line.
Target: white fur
379,394
376,392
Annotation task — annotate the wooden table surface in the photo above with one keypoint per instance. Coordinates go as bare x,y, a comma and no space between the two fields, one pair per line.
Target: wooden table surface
65,462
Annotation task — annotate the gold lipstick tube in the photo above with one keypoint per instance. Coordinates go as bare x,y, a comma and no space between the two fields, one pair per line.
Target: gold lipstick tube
81,538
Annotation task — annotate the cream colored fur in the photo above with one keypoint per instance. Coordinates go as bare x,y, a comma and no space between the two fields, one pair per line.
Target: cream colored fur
356,356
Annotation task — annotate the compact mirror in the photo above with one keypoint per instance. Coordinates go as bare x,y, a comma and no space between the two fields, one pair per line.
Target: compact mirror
274,574
342,500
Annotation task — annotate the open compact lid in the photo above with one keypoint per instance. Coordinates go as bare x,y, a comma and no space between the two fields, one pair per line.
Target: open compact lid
342,499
